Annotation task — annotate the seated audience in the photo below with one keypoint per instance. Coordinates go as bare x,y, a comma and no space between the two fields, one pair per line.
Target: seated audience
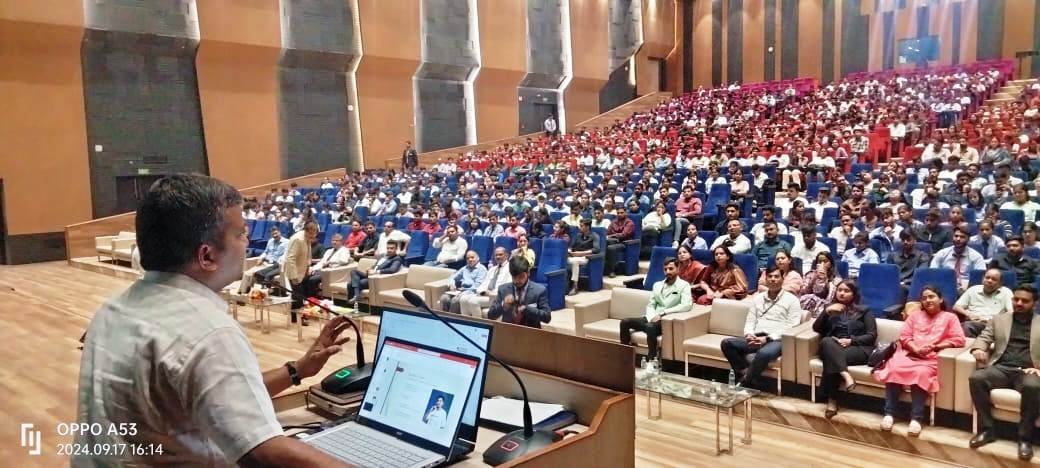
654,223
771,313
521,302
980,303
908,257
453,248
933,232
466,280
758,232
387,264
792,278
270,263
621,229
690,270
1015,260
847,334
1005,355
808,248
471,303
860,254
584,244
770,245
723,279
819,284
915,363
959,258
670,295
524,250
692,240
734,239
390,233
985,242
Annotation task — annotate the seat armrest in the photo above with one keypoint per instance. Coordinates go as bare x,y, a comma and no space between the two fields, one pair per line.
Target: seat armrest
690,324
104,241
672,327
433,291
964,365
807,346
330,276
377,283
123,243
948,377
789,345
251,262
590,312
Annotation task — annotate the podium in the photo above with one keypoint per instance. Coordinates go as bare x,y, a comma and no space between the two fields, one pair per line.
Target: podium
591,378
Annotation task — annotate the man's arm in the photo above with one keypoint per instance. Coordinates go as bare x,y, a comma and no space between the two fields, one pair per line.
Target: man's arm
542,308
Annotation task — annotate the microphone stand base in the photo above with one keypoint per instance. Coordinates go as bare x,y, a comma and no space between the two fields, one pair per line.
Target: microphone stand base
349,379
515,445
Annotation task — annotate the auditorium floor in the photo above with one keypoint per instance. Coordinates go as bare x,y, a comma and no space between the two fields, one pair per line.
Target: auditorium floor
44,309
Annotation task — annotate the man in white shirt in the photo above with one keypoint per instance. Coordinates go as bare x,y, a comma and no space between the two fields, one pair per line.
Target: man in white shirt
474,303
980,303
199,393
758,232
390,233
737,242
453,248
335,256
808,248
823,201
436,417
770,315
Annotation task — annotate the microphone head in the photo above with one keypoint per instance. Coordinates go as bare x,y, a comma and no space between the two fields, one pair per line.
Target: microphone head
413,298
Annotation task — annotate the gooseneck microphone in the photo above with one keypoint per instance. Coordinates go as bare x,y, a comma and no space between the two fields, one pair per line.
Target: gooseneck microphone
517,443
349,379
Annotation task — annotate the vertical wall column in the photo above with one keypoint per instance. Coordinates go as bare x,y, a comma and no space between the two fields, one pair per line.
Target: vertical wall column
317,111
445,114
625,33
549,65
141,97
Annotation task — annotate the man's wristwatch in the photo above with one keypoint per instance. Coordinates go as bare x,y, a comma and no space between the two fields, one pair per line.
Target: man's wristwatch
294,375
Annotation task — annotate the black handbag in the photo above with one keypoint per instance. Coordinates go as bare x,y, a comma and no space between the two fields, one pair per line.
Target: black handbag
881,354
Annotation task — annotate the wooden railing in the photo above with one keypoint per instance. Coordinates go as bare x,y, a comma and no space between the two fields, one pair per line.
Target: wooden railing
79,238
605,119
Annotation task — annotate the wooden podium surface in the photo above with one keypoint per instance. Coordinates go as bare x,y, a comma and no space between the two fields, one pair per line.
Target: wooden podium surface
592,378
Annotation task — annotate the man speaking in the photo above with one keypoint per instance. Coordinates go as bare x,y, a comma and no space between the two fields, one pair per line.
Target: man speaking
164,355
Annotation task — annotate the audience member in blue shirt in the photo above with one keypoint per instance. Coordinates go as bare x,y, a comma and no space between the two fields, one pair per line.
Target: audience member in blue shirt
466,279
959,258
860,253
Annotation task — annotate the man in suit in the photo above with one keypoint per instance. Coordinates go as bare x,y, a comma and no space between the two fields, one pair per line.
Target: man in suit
671,295
1013,363
386,265
296,265
409,156
521,302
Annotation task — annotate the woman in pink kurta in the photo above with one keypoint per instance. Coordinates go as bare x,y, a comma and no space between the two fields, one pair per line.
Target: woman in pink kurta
916,360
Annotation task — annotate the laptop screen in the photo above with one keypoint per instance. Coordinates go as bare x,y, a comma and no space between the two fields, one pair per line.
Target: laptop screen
421,327
419,391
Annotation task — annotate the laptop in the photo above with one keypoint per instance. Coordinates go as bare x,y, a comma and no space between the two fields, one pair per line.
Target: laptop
421,327
411,412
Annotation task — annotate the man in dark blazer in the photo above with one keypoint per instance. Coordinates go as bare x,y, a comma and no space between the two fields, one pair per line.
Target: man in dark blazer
1008,355
386,265
521,302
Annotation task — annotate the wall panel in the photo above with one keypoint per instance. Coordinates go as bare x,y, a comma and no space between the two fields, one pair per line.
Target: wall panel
658,43
588,21
1018,29
237,67
754,42
43,123
810,33
503,42
390,38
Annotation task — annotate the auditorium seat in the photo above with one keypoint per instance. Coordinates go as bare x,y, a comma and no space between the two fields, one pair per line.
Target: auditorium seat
601,319
807,350
699,338
415,278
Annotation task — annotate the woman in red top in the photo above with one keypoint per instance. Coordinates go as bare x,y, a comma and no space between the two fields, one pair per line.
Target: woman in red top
690,270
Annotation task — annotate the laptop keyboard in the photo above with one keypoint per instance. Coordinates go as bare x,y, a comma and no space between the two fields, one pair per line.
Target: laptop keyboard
358,447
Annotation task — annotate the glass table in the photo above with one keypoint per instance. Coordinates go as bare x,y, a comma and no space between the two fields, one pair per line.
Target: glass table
260,307
692,390
320,316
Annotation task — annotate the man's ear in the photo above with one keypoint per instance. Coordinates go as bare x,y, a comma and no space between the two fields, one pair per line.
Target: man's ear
206,258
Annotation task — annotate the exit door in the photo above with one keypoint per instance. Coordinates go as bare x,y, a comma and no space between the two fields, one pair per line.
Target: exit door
130,190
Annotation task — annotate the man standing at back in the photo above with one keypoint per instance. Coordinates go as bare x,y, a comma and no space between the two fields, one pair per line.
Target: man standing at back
297,262
165,356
